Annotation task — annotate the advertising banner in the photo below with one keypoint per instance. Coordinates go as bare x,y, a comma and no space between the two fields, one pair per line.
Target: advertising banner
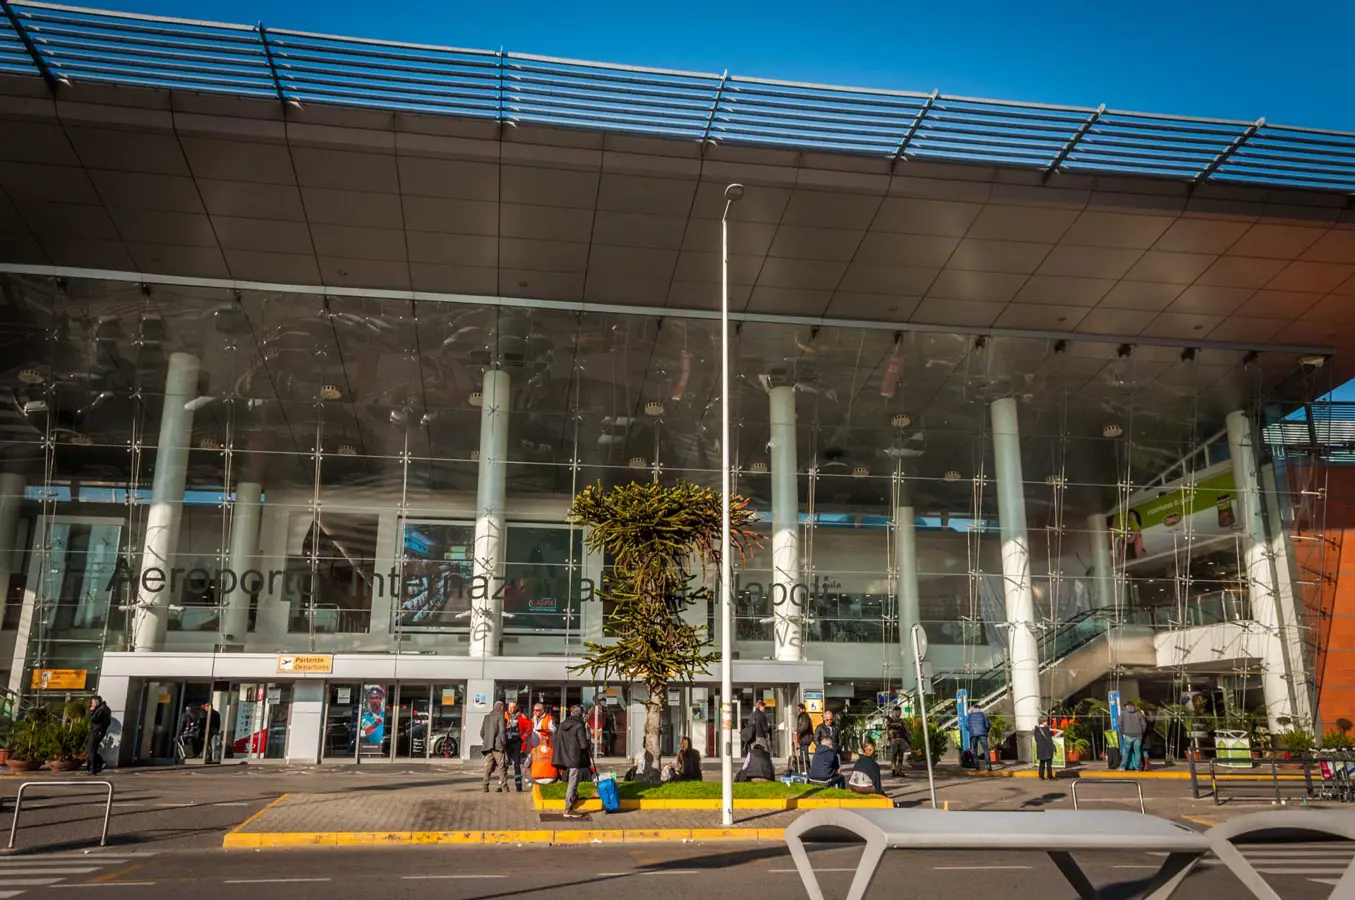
961,711
1233,748
372,720
1156,525
59,679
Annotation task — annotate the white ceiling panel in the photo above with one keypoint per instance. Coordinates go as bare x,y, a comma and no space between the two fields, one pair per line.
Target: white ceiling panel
66,220
959,313
1307,331
368,209
638,230
1121,230
1064,290
1311,276
1089,262
1152,296
988,287
545,223
1241,271
453,249
1346,287
1173,268
1022,223
1334,309
346,170
50,184
906,249
909,215
87,253
261,234
165,259
1201,235
1040,317
1268,304
759,203
705,268
350,272
225,160
38,142
745,238
632,262
548,187
342,241
1127,322
273,268
804,242
788,301
545,285
810,274
252,200
158,227
135,190
830,209
626,291
454,279
450,216
1015,257
1269,241
1181,326
1211,300
543,256
697,295
872,279
641,194
131,151
449,178
10,220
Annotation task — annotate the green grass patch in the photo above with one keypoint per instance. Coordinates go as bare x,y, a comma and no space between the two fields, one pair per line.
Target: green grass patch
703,790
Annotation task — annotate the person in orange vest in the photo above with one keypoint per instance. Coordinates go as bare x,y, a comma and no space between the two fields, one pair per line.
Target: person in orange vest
543,733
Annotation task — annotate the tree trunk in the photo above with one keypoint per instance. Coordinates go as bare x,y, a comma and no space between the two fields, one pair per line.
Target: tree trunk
653,720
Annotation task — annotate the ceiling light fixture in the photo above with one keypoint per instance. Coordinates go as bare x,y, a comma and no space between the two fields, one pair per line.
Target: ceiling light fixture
1055,480
860,472
476,399
1112,430
639,462
654,408
475,456
209,442
347,450
80,440
31,376
951,475
330,392
900,420
758,468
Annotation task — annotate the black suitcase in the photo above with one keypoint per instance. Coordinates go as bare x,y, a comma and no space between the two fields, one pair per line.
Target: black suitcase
967,759
1112,757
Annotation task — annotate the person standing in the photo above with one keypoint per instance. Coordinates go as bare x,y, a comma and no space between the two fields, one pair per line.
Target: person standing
978,726
1044,748
804,736
573,753
211,752
896,731
762,729
517,742
100,718
828,730
494,746
1133,727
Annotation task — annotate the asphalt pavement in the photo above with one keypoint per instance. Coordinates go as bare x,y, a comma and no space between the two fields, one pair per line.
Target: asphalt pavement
660,872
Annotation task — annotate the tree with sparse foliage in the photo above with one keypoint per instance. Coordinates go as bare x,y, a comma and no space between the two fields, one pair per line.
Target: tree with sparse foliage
652,533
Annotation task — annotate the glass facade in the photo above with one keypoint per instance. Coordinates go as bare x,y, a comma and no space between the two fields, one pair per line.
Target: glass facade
329,494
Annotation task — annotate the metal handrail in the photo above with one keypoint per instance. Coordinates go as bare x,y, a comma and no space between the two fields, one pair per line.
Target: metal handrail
1100,781
66,45
19,803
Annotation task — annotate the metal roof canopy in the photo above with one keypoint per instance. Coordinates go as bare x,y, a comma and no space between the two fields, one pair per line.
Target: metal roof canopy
67,45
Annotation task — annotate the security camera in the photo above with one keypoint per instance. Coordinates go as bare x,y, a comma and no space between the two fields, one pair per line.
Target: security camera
1313,362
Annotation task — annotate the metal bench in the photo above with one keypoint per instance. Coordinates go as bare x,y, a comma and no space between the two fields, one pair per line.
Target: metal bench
1057,833
1308,823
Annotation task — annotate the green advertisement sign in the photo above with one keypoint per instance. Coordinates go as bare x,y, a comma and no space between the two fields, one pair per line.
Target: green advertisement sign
1210,508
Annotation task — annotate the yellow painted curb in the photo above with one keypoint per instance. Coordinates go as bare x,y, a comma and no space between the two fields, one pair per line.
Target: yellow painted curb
781,805
301,839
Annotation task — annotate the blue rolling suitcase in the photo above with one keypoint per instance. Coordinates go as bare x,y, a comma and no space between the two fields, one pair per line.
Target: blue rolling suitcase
608,794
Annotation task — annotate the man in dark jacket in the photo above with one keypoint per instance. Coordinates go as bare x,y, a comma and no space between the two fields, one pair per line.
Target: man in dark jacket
1133,727
762,729
517,743
758,766
826,769
100,718
494,746
573,753
804,736
978,726
1044,748
896,730
828,730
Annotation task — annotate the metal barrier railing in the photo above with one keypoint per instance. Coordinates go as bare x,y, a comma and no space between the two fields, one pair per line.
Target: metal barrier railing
1100,781
1335,771
19,804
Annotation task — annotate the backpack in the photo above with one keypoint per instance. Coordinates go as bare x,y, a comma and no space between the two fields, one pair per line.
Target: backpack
860,782
747,734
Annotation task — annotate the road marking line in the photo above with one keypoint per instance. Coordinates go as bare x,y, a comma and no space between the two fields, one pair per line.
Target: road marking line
1154,868
1330,882
671,872
30,882
274,880
1200,820
174,804
232,803
77,870
245,824
107,884
794,871
5,895
1327,870
117,873
971,868
442,877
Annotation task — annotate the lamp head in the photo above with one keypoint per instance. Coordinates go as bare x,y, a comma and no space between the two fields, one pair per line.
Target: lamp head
734,192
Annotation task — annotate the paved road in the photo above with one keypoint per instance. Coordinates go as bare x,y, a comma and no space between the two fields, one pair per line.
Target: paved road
660,872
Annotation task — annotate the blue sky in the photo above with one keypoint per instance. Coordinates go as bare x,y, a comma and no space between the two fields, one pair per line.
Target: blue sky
1235,60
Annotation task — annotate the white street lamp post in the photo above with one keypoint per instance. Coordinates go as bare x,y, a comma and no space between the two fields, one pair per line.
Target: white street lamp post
732,194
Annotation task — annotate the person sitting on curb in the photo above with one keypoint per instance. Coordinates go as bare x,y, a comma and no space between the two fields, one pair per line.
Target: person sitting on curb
826,768
865,777
758,765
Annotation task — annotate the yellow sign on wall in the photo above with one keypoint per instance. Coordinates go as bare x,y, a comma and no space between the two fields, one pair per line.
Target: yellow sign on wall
59,679
306,663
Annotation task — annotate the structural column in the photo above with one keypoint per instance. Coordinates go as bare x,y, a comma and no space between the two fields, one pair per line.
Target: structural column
162,521
243,559
11,499
1024,653
490,496
1103,574
906,591
1262,593
788,608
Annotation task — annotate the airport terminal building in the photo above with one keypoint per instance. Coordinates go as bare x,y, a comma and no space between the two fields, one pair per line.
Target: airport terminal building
310,341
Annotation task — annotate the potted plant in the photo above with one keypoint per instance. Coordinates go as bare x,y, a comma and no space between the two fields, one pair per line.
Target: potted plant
938,736
998,730
29,742
1294,742
70,740
1076,741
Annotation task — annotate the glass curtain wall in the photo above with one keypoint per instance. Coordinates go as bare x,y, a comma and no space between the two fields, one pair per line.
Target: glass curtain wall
330,464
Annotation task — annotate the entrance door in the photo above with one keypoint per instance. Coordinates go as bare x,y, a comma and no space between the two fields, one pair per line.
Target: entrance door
413,712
